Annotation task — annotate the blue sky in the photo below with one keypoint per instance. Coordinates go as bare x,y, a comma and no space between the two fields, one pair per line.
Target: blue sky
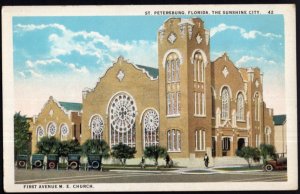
53,55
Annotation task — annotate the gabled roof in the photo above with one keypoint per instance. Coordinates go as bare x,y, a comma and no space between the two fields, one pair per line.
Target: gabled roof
71,106
279,119
152,71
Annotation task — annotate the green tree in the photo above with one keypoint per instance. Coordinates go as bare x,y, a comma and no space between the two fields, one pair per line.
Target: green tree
48,145
123,152
155,152
248,153
267,151
96,146
21,134
68,147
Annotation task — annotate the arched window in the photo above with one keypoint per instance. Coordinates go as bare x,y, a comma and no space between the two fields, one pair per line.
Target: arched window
199,72
240,107
174,140
268,135
64,131
96,126
256,104
151,128
122,115
40,133
200,140
173,78
225,103
51,129
173,68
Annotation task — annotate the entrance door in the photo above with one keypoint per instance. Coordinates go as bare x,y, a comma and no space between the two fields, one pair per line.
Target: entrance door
241,143
213,151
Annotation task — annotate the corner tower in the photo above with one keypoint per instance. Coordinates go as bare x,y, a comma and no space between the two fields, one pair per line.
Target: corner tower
184,87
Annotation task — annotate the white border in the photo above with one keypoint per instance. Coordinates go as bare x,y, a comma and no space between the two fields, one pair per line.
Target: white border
290,75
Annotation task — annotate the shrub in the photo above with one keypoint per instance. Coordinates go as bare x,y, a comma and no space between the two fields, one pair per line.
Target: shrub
123,152
267,151
155,152
96,146
48,145
248,153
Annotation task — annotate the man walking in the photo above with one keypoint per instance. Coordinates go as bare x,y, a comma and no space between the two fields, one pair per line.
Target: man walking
206,160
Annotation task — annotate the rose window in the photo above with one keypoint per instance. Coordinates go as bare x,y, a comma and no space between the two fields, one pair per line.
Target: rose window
52,129
97,125
64,130
151,120
122,113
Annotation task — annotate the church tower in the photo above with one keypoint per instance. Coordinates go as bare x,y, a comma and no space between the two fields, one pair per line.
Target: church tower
185,87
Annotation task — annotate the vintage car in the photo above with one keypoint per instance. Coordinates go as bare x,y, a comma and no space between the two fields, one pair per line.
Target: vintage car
277,164
37,161
52,161
94,162
73,161
22,161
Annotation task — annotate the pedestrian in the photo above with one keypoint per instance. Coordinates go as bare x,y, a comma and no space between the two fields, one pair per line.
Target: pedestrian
206,160
143,162
167,160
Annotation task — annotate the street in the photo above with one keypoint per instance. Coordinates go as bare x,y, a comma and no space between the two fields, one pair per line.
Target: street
23,176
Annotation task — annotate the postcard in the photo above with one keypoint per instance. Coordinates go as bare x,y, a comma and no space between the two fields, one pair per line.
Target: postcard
149,98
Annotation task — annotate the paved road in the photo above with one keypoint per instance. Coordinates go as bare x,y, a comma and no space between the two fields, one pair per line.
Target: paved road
126,176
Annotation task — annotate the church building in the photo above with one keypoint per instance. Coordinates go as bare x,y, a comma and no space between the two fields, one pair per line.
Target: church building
190,105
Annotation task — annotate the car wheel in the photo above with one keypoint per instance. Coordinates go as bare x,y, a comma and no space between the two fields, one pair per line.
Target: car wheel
269,167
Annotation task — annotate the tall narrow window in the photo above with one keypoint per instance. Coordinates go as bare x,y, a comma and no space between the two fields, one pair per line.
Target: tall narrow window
225,103
240,107
174,140
173,68
200,140
198,67
169,71
203,109
173,103
267,135
75,135
256,104
173,79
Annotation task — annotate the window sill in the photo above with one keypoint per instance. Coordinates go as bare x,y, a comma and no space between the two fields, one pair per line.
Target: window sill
174,151
201,116
200,150
170,116
241,121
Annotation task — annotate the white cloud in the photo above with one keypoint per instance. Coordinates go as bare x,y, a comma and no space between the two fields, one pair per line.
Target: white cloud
32,64
247,35
32,27
102,47
35,74
22,74
82,69
253,61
